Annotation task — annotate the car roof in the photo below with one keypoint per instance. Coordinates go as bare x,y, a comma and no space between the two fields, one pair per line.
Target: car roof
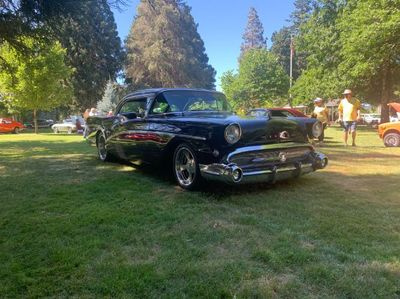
156,91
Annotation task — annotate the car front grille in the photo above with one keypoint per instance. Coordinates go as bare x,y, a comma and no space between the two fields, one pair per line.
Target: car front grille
265,158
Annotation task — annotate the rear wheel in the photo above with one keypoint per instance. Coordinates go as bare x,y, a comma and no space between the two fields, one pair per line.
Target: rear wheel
69,130
392,140
101,148
186,167
55,130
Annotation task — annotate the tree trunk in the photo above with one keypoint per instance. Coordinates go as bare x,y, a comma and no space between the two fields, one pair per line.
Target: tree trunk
35,121
385,95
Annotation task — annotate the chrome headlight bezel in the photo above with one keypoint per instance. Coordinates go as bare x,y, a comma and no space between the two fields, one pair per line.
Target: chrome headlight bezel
233,133
317,129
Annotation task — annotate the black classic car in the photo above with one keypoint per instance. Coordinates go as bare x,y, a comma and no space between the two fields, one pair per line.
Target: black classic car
311,126
198,134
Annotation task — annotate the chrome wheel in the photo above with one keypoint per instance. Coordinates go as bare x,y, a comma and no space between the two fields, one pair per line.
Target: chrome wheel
185,167
69,131
16,130
55,130
101,148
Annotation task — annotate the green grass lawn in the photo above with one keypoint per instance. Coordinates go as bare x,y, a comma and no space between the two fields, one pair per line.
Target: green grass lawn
71,226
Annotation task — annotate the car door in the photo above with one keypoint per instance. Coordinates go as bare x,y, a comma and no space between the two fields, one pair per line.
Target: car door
129,129
6,126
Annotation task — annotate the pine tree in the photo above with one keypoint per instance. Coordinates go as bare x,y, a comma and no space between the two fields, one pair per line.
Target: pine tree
93,49
302,12
253,36
164,48
109,100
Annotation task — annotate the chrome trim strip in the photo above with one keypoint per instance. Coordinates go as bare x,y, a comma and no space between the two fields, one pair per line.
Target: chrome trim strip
256,148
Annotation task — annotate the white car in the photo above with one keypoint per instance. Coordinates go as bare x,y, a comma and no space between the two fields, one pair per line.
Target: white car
372,119
67,126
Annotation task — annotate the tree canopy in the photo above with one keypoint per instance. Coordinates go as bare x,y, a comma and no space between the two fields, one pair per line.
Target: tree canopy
352,44
86,29
93,49
164,48
260,80
36,82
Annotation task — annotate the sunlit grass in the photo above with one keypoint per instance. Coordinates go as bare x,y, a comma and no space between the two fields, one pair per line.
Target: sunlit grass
71,226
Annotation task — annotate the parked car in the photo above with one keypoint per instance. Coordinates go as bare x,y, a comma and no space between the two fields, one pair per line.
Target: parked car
67,126
8,125
41,123
390,132
285,112
311,126
199,134
371,119
74,123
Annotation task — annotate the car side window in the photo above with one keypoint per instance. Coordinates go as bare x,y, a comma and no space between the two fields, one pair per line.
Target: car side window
137,106
161,105
279,113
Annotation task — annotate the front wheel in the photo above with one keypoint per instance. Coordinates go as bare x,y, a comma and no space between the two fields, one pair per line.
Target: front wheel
69,130
55,130
392,140
16,130
186,167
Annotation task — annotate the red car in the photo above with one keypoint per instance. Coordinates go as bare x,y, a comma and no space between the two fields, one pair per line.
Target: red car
8,125
285,112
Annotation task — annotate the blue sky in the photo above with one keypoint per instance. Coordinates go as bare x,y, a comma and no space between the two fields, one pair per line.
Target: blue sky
221,25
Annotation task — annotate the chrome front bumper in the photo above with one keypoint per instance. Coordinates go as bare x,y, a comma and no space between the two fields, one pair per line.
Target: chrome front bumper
233,174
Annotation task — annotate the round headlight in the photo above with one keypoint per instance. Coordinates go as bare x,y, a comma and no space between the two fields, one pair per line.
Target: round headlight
233,133
317,129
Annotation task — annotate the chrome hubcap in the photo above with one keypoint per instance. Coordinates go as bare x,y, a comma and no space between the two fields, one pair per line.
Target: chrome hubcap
185,166
101,145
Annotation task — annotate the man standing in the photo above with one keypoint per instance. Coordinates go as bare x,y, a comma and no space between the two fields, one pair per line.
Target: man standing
321,113
349,113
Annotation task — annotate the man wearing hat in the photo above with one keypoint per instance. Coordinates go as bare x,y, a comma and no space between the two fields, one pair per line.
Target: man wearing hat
321,113
349,114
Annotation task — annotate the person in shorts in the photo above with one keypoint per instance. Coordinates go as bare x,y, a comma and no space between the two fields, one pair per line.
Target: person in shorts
349,115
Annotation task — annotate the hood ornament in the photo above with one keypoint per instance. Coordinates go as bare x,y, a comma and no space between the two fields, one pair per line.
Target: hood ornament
284,135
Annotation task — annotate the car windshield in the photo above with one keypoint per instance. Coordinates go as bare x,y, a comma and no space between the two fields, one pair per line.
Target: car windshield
190,100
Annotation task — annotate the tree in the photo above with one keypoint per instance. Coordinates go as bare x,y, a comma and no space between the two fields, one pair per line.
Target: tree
319,40
85,28
93,50
351,44
253,36
164,48
260,80
38,81
302,12
371,49
281,39
281,48
109,100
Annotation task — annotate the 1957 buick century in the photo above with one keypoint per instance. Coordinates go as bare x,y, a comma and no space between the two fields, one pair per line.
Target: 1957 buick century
197,132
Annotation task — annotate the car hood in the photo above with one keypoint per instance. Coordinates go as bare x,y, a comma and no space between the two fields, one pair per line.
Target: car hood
254,130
